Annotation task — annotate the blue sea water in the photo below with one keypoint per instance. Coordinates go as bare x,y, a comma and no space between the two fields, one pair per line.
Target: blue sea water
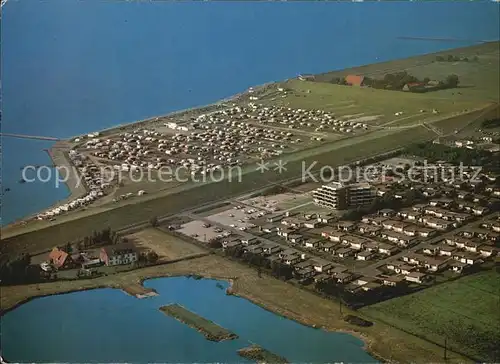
107,325
72,66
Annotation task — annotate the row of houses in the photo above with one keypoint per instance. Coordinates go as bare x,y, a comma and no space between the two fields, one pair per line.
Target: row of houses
315,268
436,259
112,255
451,253
465,194
340,244
299,260
430,215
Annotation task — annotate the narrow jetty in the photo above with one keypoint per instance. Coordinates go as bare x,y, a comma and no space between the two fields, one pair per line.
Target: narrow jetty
442,39
261,355
23,136
139,291
209,329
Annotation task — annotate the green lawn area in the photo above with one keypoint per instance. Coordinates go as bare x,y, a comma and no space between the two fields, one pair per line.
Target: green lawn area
465,311
478,86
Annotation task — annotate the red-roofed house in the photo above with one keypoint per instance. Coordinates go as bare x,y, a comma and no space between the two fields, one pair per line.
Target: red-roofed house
355,80
60,259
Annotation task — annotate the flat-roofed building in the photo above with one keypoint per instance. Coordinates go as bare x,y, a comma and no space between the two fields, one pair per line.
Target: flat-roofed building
341,196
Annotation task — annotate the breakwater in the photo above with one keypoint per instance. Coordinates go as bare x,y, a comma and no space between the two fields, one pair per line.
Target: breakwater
209,329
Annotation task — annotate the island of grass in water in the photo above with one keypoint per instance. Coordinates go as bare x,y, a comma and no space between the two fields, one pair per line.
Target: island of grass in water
209,329
261,355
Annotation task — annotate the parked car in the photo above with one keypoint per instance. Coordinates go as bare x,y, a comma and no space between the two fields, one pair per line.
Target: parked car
46,267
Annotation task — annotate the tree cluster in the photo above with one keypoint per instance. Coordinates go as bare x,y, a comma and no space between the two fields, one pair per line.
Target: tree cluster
215,243
359,299
339,81
491,123
103,237
149,257
469,157
277,268
397,81
154,221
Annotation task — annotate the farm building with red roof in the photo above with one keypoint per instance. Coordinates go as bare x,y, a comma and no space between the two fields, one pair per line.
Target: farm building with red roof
60,259
354,80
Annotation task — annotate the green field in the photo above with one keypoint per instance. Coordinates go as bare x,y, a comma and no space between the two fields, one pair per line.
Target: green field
346,100
478,87
478,80
465,311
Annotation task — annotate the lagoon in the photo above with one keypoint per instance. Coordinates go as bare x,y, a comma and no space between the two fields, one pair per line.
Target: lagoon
72,67
107,325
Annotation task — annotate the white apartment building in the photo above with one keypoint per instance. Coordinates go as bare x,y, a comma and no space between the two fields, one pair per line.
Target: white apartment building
342,196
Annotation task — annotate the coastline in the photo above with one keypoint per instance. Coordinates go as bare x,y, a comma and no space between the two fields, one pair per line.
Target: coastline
59,157
383,342
206,108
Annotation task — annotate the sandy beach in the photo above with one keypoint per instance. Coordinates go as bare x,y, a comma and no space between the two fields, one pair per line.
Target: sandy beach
381,341
58,155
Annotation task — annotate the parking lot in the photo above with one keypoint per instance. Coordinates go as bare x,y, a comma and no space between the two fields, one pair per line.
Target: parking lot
239,217
270,203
